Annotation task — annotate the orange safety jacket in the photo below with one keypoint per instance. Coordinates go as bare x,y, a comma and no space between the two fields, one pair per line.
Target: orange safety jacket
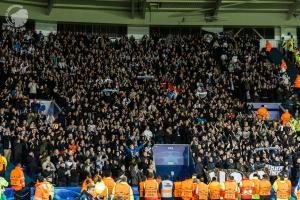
268,46
84,184
17,179
122,190
265,188
246,189
41,191
110,184
151,189
297,82
177,189
215,190
285,118
202,191
187,189
141,189
283,191
230,190
283,65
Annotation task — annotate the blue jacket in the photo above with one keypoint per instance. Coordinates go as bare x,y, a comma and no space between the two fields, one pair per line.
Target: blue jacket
133,152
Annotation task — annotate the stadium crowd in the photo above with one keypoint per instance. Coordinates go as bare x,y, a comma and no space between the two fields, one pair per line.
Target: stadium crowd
119,97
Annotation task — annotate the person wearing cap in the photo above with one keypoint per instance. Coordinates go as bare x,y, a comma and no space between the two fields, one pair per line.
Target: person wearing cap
41,190
88,193
282,189
122,190
265,188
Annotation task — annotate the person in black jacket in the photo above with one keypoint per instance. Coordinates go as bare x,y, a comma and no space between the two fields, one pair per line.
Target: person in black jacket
62,175
74,176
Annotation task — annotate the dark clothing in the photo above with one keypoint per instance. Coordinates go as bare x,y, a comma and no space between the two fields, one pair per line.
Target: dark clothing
265,197
61,177
86,196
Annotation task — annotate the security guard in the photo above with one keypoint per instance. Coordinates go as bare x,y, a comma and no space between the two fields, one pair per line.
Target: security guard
41,190
51,189
3,165
141,187
215,189
262,113
255,180
85,183
101,191
187,189
177,189
282,189
122,190
246,188
166,188
151,188
230,189
109,182
202,191
3,185
265,188
17,181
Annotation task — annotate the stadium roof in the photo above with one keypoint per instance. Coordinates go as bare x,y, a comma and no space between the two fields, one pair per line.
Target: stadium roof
164,12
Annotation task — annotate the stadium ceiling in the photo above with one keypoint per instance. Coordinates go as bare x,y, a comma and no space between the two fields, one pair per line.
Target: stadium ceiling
164,12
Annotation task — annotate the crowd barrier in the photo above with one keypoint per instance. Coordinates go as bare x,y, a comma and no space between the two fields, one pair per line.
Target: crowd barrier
70,193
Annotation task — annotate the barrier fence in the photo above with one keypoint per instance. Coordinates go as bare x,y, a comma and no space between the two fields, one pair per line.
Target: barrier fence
70,193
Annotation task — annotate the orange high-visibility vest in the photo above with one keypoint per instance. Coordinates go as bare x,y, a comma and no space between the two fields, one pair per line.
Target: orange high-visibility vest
151,189
2,163
298,193
110,184
285,118
202,191
17,179
177,189
265,188
41,192
230,190
283,65
283,190
215,190
268,46
187,187
122,190
246,188
297,82
262,113
84,184
141,188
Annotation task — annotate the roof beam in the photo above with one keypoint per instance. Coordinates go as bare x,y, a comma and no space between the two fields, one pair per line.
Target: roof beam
50,6
217,6
293,9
